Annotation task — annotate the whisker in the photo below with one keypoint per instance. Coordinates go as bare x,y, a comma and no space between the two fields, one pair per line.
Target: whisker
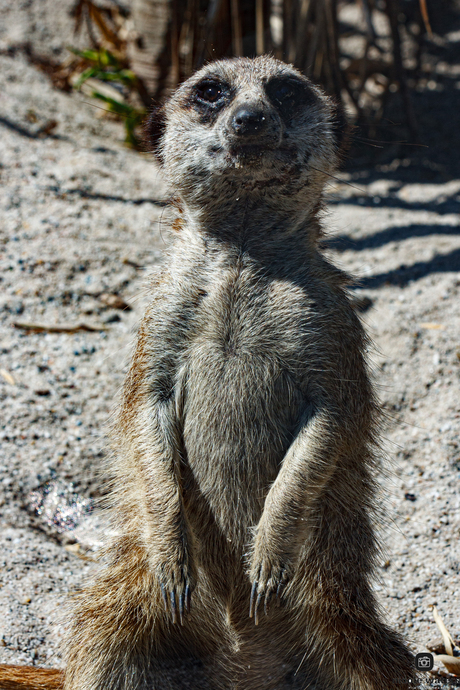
378,141
363,191
104,109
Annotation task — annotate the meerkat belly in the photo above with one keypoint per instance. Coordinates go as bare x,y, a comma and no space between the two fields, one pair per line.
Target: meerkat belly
239,419
241,410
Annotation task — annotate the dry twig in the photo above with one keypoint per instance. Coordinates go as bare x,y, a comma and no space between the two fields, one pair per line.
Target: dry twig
58,328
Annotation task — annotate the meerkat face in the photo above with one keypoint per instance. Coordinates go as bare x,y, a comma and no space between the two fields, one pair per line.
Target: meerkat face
256,123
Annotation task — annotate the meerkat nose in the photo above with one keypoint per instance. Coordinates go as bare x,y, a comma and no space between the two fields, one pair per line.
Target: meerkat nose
248,121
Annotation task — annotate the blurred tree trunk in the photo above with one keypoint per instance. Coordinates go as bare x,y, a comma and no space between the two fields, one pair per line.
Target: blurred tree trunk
173,38
150,51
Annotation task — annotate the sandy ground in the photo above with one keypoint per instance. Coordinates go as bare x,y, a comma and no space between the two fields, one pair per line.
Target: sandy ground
82,216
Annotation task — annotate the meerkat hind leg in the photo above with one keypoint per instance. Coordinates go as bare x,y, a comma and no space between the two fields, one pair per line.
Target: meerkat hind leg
346,637
123,638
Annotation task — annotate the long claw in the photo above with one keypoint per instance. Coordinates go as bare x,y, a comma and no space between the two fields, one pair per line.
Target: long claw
282,584
173,606
188,596
268,596
253,594
256,612
165,598
181,608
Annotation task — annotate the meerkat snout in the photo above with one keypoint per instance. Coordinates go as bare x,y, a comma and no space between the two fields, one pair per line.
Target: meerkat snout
253,128
248,120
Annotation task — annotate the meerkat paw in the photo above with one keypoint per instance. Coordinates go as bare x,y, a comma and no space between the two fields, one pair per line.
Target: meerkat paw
269,576
177,582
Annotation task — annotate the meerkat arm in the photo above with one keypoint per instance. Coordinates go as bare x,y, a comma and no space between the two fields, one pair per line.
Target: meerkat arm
164,509
307,468
150,449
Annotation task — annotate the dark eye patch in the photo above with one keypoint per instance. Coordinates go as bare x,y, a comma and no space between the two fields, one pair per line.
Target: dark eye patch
209,96
289,96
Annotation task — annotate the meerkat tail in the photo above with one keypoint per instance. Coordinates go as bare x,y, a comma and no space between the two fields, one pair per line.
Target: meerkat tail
30,678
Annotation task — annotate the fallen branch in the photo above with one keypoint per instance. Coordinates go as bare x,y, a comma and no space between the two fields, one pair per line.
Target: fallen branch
58,328
450,659
8,377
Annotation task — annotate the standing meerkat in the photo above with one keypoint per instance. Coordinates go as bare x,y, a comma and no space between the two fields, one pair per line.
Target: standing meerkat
243,482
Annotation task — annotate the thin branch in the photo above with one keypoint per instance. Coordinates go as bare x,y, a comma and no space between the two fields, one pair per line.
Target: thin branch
426,18
260,48
237,40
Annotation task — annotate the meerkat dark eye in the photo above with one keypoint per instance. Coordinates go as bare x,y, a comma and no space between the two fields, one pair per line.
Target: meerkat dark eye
208,97
209,91
281,93
289,96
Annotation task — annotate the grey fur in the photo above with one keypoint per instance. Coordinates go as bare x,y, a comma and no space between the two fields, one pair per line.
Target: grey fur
245,442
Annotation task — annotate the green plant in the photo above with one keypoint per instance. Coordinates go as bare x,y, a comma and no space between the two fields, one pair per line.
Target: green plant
105,66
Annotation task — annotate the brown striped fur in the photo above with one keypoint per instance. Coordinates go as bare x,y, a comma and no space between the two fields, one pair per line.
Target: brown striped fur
30,678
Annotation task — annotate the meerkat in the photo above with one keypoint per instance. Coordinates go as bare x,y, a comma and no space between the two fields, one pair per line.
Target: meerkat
243,476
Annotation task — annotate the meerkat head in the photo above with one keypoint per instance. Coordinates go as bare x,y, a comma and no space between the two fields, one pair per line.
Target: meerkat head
249,124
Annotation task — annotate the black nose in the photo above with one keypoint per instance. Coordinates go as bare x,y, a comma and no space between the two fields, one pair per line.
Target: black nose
248,121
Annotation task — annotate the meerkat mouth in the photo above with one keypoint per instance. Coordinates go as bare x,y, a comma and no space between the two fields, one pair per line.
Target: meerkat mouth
249,155
262,164
240,155
248,150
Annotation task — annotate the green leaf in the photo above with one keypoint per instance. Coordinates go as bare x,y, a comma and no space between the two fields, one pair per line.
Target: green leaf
89,72
132,117
101,58
115,106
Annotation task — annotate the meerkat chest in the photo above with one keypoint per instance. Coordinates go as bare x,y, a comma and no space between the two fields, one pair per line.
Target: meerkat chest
244,315
242,389
245,359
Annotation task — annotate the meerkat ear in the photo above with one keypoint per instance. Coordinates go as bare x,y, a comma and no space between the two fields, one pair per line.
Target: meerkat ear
154,130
